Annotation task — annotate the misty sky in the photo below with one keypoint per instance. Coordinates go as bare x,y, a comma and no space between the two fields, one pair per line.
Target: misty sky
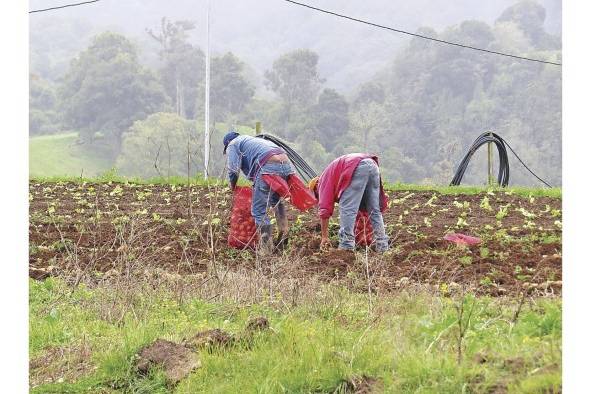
258,31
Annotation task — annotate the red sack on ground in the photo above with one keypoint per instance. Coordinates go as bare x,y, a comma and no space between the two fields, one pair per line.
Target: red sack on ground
293,190
363,229
242,227
462,239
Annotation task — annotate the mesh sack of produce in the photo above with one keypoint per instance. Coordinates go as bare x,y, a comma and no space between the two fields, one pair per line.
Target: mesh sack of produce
243,232
293,190
363,229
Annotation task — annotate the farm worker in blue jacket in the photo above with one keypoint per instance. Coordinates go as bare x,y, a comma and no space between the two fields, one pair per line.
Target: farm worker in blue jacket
255,157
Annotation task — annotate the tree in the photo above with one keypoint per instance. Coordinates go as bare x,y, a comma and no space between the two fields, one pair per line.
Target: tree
437,99
529,16
294,78
159,146
365,121
230,90
43,118
331,118
369,92
106,89
182,73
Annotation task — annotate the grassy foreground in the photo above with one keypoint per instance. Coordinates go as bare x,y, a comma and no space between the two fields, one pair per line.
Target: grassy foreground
84,340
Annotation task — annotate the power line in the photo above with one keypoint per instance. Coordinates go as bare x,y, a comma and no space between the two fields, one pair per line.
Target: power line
526,167
421,36
64,6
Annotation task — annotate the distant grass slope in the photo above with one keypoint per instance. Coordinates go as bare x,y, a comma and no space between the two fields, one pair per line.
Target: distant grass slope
59,155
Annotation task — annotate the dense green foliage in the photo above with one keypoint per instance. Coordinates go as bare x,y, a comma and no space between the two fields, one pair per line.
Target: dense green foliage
230,90
164,144
408,343
43,117
420,113
107,89
182,70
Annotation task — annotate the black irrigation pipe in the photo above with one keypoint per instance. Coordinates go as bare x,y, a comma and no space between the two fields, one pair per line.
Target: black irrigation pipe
503,177
299,163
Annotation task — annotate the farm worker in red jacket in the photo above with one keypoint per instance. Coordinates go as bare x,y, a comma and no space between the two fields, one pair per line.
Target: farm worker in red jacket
354,182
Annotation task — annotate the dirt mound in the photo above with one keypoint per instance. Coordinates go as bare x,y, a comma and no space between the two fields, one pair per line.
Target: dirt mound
176,360
257,324
360,385
41,273
210,339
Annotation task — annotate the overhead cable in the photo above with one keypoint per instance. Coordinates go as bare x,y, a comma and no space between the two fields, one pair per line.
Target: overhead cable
422,36
64,6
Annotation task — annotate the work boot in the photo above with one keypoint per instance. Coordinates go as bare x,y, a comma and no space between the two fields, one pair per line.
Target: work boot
266,240
282,241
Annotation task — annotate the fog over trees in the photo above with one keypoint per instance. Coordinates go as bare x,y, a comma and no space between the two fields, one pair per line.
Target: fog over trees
129,76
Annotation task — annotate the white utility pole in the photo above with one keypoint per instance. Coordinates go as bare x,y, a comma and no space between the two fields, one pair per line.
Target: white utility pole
206,132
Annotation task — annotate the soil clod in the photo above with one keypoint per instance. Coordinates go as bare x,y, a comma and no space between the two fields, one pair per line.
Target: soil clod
210,339
176,360
360,385
257,324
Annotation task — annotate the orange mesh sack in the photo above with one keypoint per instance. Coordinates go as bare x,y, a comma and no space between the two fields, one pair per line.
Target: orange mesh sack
242,227
363,229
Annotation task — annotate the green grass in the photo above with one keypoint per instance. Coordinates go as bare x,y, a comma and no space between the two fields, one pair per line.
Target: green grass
555,192
111,176
408,342
59,155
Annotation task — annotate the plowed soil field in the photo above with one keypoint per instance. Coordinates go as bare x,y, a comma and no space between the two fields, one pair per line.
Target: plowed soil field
107,228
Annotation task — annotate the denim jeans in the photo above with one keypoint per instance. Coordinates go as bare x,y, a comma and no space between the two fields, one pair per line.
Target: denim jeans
264,198
363,192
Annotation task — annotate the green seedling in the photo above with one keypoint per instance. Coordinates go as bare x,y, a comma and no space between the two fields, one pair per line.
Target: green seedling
117,191
466,260
485,204
484,252
503,211
461,222
431,200
527,214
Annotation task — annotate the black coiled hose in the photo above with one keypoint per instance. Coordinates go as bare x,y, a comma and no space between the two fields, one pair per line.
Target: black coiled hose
298,162
502,145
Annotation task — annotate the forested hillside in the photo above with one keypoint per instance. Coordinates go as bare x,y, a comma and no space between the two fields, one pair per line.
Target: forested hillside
131,83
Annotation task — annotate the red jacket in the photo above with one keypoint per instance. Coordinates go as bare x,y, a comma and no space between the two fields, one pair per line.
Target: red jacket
337,177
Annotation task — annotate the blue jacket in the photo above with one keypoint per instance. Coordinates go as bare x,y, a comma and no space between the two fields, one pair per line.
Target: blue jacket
249,154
